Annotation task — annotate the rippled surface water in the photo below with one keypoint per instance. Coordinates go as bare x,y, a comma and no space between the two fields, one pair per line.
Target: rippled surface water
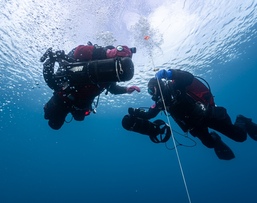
183,34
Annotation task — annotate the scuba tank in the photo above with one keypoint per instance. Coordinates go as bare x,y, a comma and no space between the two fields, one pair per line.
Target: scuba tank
70,72
158,131
101,71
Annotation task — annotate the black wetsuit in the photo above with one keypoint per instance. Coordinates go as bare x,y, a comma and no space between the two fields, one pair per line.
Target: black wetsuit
71,96
192,113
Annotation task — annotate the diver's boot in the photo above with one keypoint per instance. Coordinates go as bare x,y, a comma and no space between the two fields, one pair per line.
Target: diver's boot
221,149
247,125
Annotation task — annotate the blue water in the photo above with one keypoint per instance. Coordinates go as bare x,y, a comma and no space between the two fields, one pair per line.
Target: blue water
97,161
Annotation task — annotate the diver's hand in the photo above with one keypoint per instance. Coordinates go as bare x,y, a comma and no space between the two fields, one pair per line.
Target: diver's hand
132,89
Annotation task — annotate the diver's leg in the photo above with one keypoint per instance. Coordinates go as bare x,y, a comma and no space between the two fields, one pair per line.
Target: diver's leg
221,122
55,111
204,135
213,140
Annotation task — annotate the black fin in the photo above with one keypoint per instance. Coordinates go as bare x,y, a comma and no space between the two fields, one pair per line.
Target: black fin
247,125
251,129
221,149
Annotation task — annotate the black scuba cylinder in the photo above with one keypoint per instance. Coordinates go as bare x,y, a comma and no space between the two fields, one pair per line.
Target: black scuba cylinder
140,125
158,131
100,71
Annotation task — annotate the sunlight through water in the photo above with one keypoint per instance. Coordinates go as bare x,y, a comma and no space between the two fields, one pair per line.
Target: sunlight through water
189,35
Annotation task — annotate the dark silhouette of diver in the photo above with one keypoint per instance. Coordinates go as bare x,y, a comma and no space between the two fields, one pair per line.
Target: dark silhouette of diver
191,104
83,75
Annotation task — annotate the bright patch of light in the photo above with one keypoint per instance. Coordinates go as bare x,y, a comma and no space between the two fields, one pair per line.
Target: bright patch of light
190,34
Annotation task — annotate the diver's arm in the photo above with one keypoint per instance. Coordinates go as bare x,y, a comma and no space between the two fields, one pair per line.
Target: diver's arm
48,73
116,89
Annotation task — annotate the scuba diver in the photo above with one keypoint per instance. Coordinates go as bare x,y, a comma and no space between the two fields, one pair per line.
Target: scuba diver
191,104
83,74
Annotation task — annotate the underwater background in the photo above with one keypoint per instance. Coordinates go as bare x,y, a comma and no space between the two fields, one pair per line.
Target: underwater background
97,161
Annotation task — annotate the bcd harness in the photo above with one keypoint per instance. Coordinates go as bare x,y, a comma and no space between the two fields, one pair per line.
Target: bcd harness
190,107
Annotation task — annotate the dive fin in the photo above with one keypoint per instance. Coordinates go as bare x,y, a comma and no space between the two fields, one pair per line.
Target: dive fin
221,149
224,152
247,125
252,130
